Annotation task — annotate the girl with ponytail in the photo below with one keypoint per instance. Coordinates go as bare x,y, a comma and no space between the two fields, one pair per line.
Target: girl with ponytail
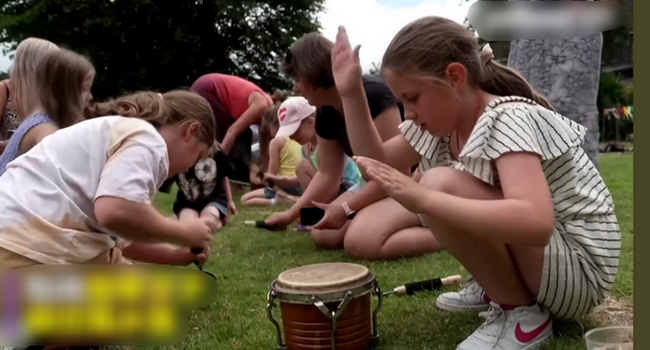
506,187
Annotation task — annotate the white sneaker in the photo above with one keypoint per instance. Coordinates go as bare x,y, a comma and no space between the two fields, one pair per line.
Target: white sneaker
522,328
471,297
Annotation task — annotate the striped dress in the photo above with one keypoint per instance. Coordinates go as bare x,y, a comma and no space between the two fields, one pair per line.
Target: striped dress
581,260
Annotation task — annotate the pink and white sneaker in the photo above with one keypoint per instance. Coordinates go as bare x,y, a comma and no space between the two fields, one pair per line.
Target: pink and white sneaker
471,297
519,328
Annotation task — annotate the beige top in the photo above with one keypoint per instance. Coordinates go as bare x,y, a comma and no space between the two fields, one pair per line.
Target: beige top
321,277
47,208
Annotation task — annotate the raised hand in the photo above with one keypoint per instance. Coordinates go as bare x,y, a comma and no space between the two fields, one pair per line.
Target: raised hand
398,186
346,68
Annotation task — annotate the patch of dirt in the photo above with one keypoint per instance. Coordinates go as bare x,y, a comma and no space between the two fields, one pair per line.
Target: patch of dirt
613,312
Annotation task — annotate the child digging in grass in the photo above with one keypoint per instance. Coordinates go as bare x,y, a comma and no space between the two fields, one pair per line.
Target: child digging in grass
83,195
280,156
204,190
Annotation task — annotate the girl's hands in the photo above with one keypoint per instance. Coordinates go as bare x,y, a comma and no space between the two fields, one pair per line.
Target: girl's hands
271,177
228,143
346,68
186,257
334,217
281,220
196,233
232,208
398,186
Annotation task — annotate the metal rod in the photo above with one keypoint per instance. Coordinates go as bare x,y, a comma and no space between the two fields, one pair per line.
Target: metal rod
374,339
270,297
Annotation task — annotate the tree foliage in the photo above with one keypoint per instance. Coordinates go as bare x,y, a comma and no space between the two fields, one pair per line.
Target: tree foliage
164,44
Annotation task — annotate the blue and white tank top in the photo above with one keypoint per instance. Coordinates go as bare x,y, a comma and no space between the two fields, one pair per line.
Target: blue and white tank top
12,151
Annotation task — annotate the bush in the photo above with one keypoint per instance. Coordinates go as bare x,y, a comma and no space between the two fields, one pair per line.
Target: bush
614,93
630,95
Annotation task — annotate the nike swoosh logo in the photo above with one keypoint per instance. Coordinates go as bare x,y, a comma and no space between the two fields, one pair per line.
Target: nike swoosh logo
527,337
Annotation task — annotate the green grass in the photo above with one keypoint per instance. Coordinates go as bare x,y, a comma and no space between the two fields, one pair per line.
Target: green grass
246,260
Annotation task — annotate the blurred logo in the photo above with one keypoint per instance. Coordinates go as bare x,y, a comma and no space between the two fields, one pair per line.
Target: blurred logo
105,305
509,20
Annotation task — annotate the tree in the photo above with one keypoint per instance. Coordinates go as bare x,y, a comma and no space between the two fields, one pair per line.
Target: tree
4,75
164,44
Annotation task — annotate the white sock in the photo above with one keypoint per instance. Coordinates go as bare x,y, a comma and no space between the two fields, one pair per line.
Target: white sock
273,201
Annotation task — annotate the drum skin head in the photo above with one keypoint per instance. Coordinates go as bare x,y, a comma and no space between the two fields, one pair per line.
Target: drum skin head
322,277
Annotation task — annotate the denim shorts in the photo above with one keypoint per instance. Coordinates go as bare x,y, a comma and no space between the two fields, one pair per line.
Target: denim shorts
269,193
223,210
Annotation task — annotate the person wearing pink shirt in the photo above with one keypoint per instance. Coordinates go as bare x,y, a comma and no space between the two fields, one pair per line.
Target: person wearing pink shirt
237,105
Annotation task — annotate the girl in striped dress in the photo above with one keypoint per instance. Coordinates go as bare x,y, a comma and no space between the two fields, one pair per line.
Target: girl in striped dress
507,188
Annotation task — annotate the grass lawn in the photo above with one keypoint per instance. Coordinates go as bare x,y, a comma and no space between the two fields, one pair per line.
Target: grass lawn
246,260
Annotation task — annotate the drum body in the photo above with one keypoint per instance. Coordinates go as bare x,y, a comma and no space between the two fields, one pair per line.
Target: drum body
326,307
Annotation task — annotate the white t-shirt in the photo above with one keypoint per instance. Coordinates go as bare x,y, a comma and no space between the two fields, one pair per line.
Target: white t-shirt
47,195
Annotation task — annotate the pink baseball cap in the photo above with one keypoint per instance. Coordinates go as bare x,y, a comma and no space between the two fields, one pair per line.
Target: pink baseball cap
291,113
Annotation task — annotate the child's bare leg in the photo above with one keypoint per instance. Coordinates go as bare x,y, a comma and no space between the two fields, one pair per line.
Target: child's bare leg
386,230
510,275
305,171
212,218
255,198
188,214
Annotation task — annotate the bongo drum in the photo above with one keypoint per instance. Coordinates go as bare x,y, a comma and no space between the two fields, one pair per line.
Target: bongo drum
326,306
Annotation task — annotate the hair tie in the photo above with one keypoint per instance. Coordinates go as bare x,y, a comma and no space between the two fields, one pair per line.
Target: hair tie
487,54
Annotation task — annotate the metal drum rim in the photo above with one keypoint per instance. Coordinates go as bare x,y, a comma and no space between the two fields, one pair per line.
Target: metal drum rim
361,288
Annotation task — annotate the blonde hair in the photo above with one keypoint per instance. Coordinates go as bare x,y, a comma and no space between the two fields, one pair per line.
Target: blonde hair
216,147
177,106
28,55
426,46
59,80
